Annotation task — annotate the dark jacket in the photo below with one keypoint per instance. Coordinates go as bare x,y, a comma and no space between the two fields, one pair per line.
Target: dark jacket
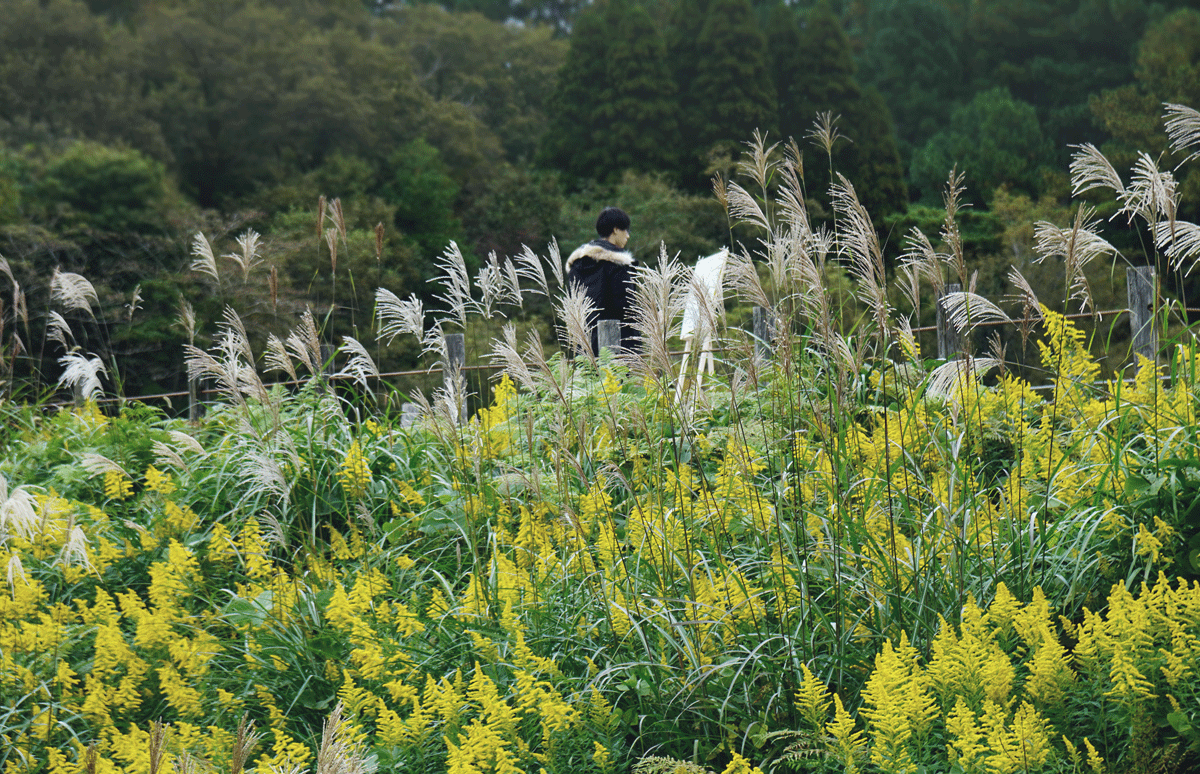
605,272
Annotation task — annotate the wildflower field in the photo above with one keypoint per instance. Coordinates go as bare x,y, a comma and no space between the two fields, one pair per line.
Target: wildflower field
839,557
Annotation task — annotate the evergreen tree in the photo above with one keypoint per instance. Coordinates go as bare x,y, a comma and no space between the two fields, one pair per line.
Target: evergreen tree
571,144
786,57
638,110
731,94
822,80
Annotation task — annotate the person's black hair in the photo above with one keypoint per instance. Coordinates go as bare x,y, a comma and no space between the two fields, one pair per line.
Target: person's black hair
611,219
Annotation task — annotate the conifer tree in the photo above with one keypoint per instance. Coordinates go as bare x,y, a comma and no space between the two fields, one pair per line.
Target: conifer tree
821,79
638,111
731,94
571,141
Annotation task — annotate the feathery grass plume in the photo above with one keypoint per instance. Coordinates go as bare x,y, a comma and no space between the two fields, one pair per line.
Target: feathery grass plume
743,207
1183,129
73,291
273,287
456,282
304,343
512,284
15,571
18,514
398,317
339,217
379,241
1152,194
97,464
1179,240
157,745
659,295
82,373
907,339
135,303
20,308
1091,169
557,268
945,380
359,367
5,269
203,260
504,354
576,313
922,260
322,209
260,473
166,456
339,754
249,257
89,758
185,441
234,377
790,197
857,234
187,318
529,266
952,202
243,744
757,163
1031,307
1077,246
74,552
493,289
185,764
331,242
234,331
825,132
276,358
721,193
742,276
965,310
58,330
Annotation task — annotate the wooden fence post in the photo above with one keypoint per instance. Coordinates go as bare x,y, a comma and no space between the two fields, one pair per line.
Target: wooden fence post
948,340
608,335
1141,288
193,400
456,358
764,334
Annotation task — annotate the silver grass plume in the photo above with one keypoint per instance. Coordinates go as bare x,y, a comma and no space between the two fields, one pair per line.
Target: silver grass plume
504,354
512,283
1152,194
658,299
74,552
203,260
1091,169
58,330
18,514
339,217
185,441
952,201
166,456
260,472
249,256
556,262
97,465
82,373
15,572
433,342
398,317
1183,128
857,234
1077,246
922,260
234,331
1179,241
331,235
966,310
790,198
743,207
492,291
5,269
359,367
73,291
276,358
1031,307
825,132
304,344
757,163
741,275
135,303
338,753
456,282
187,318
529,266
946,379
576,313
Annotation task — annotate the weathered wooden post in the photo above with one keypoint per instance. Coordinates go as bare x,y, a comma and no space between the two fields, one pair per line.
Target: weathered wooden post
193,400
764,334
608,335
456,359
948,339
1141,290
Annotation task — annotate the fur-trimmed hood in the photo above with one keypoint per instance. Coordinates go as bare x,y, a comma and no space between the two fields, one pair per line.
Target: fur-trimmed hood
601,250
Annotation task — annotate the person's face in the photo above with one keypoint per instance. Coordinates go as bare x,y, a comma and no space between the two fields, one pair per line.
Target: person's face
619,237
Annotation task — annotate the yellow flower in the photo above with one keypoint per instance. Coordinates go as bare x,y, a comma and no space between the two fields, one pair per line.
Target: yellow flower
812,699
157,481
117,485
740,765
354,472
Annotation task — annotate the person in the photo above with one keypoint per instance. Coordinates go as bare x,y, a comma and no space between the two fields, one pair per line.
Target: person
603,268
